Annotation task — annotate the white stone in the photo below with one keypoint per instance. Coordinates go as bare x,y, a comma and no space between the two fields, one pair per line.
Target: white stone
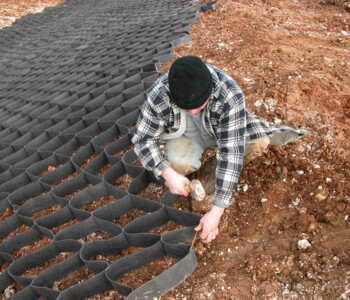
245,188
296,201
303,244
258,103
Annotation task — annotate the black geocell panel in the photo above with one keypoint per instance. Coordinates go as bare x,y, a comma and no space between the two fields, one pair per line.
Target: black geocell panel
72,80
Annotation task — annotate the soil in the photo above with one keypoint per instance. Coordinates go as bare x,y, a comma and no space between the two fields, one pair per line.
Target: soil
287,235
15,9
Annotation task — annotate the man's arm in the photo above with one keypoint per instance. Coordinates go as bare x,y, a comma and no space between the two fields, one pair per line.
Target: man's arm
150,125
231,142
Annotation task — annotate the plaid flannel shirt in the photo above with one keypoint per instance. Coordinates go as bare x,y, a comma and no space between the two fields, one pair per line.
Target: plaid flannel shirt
226,118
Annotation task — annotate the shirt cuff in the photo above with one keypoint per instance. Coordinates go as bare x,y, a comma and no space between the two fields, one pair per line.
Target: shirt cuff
223,199
159,168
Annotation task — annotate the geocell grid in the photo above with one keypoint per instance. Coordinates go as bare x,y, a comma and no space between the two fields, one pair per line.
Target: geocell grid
72,80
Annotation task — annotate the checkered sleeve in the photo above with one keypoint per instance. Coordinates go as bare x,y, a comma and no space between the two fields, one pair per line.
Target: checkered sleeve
149,126
231,143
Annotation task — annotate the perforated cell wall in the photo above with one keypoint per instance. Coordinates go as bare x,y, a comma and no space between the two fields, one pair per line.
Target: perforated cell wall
73,197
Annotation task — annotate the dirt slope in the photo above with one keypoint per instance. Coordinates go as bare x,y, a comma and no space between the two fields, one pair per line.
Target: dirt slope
292,60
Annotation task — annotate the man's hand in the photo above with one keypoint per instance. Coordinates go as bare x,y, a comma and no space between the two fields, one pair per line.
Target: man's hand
175,181
209,224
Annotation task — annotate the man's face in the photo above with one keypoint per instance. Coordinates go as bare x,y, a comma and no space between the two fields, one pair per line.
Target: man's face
197,110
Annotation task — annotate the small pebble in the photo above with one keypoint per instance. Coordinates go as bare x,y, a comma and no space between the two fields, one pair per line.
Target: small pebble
245,188
303,244
258,103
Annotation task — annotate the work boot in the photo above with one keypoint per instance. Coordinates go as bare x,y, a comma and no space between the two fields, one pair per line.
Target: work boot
255,148
206,175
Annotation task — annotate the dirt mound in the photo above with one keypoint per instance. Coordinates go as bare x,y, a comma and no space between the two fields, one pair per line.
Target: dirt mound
288,232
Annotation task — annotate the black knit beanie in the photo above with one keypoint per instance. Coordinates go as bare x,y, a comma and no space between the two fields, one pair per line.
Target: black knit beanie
190,82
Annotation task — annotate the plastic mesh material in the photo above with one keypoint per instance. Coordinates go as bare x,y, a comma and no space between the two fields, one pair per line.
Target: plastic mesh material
73,196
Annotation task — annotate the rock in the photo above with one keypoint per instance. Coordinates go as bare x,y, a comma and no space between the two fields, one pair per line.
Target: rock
321,193
284,171
332,218
341,207
263,200
303,244
312,227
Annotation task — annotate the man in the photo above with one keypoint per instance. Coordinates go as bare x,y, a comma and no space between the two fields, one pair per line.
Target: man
192,107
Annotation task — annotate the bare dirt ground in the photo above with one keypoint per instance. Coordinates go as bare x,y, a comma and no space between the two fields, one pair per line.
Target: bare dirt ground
287,236
10,10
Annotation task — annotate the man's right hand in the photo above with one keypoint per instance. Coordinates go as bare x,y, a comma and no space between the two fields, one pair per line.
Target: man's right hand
175,181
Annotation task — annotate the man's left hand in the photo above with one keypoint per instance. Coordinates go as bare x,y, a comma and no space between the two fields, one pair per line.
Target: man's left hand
209,224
